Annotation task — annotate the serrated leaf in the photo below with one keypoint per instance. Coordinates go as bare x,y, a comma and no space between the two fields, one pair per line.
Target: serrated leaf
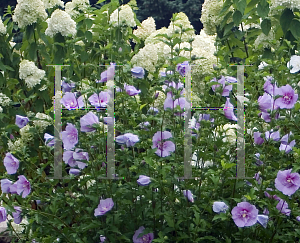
266,26
286,19
263,9
237,17
295,28
241,6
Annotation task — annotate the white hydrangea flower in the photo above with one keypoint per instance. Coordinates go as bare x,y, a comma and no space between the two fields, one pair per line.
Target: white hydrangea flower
72,7
291,4
25,134
16,146
30,73
43,121
262,65
154,40
229,130
147,58
4,100
146,29
53,3
126,16
159,102
1,109
210,15
28,12
2,28
266,40
60,22
182,19
195,158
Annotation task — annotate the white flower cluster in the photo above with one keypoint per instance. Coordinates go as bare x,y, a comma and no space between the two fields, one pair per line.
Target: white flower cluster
43,121
126,16
25,134
203,46
4,100
228,130
2,28
159,102
72,7
210,15
1,109
146,29
153,39
28,12
181,19
147,58
195,158
17,146
291,4
30,73
266,40
53,3
60,22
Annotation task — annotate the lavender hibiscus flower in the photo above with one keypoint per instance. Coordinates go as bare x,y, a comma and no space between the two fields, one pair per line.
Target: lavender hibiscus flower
286,182
163,148
244,214
104,206
128,138
21,121
288,99
87,121
23,186
11,164
138,72
70,136
70,102
147,238
228,110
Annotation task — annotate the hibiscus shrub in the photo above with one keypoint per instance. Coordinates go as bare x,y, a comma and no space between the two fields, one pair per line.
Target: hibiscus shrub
168,183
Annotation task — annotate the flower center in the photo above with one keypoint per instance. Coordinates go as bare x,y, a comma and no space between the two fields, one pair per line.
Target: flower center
161,145
244,215
287,99
288,180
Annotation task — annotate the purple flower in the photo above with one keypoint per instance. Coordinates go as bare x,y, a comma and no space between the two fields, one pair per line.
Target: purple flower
87,121
101,100
286,182
131,90
147,238
71,158
244,214
104,206
5,185
11,164
21,121
102,238
205,117
269,87
298,218
265,102
226,88
188,194
258,162
128,138
70,136
287,147
163,148
107,74
288,99
228,110
74,171
169,103
23,186
49,140
257,178
220,207
273,135
13,188
143,180
66,87
70,102
68,158
262,220
17,215
153,110
257,139
144,125
138,72
266,211
183,67
164,74
282,206
3,214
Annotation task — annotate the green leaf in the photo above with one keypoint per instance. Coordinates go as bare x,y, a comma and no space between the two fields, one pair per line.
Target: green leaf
286,19
89,23
32,50
2,66
263,9
295,28
84,56
237,17
226,6
89,36
100,1
142,106
241,6
221,216
266,26
297,106
228,28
